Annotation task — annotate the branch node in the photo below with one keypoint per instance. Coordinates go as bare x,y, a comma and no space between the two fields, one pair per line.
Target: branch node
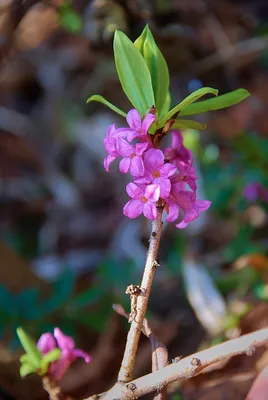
196,363
131,386
251,350
134,291
156,264
177,359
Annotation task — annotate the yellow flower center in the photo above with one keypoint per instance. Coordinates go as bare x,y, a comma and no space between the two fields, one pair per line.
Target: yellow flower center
156,174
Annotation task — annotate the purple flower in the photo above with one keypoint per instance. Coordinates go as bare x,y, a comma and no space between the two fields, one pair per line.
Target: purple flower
46,343
143,201
177,151
69,353
137,126
132,160
186,201
157,172
110,144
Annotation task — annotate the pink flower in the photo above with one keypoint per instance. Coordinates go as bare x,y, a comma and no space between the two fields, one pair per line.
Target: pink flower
46,343
69,353
143,201
157,172
137,126
177,151
186,201
187,174
110,144
132,160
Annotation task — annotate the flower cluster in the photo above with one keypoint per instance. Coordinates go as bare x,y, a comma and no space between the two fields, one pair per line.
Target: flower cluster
160,177
69,353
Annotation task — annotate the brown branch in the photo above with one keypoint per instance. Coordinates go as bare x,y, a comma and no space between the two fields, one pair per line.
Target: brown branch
127,366
186,368
159,350
53,390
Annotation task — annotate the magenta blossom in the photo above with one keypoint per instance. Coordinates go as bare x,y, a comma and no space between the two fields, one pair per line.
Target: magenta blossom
186,201
137,126
143,201
132,160
110,144
69,353
177,151
157,171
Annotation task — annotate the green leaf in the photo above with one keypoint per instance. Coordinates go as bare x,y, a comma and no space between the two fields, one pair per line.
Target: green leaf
188,124
24,358
52,355
101,99
69,19
223,101
47,359
133,73
30,348
26,369
157,66
188,100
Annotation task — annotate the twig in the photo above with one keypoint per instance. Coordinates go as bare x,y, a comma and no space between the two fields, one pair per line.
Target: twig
159,350
159,358
53,390
127,366
186,368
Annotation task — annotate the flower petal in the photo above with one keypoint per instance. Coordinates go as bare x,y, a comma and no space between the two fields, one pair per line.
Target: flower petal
149,211
111,131
176,139
140,148
144,180
46,343
82,354
168,170
133,191
107,161
133,208
124,165
173,212
153,159
203,205
191,215
147,122
134,119
182,224
61,366
152,192
164,185
124,149
64,342
136,166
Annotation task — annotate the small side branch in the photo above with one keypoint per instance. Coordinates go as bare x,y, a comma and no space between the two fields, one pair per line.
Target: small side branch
127,366
188,367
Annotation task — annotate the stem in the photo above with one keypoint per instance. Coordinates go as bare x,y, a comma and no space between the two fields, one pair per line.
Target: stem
127,366
187,367
53,390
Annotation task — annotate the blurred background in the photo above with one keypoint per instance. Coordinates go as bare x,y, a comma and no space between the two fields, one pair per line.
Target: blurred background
67,253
